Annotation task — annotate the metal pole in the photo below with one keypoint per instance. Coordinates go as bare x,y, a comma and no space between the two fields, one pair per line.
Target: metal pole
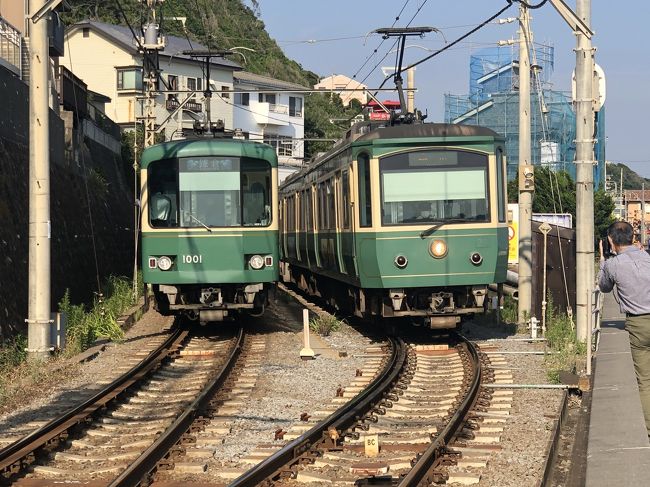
642,227
38,317
544,228
410,94
526,182
584,172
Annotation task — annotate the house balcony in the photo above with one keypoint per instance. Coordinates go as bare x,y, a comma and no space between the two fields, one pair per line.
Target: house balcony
270,113
192,106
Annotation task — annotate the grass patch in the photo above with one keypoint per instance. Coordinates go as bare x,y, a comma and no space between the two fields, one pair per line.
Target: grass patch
509,311
561,339
100,320
22,379
325,325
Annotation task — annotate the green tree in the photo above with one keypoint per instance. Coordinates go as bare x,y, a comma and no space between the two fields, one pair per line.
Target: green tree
555,193
326,118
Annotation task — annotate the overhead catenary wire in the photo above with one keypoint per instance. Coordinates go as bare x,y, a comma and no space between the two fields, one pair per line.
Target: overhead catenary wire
448,46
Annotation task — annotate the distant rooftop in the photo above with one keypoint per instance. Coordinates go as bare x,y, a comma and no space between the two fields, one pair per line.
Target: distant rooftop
174,46
266,81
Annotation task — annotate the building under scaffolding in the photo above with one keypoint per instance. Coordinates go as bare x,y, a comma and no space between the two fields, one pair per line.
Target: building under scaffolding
493,102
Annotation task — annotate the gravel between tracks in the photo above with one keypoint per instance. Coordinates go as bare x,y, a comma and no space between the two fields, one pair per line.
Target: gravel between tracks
528,430
288,386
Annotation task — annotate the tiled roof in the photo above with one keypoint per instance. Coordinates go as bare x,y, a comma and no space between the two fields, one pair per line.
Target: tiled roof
174,46
637,195
257,79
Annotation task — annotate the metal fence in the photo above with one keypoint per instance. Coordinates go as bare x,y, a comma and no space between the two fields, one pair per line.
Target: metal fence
10,44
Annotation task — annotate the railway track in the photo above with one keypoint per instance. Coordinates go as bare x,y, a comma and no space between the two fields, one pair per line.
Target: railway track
127,430
420,402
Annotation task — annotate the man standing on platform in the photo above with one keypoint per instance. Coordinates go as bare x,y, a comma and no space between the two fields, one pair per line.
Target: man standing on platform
629,270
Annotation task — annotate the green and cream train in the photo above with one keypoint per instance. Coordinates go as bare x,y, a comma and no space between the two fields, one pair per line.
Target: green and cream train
210,226
400,221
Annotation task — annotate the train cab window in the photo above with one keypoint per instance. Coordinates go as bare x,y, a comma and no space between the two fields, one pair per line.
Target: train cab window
501,201
365,199
162,194
424,187
214,191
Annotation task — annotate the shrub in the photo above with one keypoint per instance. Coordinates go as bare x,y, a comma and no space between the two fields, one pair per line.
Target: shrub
83,328
324,325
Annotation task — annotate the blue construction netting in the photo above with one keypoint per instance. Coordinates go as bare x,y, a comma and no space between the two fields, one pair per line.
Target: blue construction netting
493,102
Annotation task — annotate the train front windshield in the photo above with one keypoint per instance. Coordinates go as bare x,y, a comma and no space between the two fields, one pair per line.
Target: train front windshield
209,192
423,187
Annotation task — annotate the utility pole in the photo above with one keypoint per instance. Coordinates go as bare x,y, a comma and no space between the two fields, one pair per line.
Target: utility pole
584,172
642,226
150,46
526,172
38,316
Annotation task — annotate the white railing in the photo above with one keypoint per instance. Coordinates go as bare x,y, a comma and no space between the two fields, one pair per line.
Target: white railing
10,40
595,304
282,109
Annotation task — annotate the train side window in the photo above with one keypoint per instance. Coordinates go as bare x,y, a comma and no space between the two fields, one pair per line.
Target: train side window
501,203
365,196
308,210
320,205
331,208
345,197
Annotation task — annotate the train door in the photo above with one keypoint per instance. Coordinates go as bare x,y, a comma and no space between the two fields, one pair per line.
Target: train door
338,246
311,227
346,244
283,213
300,235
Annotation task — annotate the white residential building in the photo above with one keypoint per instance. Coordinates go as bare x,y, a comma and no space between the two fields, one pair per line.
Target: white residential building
340,82
106,58
271,112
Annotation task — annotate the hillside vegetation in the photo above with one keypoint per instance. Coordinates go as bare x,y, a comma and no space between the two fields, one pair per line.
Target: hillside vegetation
224,24
631,180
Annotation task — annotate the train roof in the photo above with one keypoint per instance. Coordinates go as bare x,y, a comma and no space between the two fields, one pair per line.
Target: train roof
370,131
208,147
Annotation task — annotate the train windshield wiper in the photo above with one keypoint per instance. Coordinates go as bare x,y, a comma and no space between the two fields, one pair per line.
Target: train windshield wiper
438,224
199,222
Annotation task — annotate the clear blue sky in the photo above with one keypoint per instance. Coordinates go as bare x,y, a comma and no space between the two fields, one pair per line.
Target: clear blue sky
338,29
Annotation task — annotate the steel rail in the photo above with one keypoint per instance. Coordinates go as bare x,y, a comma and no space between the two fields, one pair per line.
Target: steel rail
20,449
431,455
342,419
146,463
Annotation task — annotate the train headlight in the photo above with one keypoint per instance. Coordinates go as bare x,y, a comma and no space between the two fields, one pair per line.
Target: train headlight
438,248
401,261
164,263
256,262
476,258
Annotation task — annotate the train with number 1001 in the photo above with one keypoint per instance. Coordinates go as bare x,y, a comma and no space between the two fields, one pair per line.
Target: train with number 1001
400,221
210,226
